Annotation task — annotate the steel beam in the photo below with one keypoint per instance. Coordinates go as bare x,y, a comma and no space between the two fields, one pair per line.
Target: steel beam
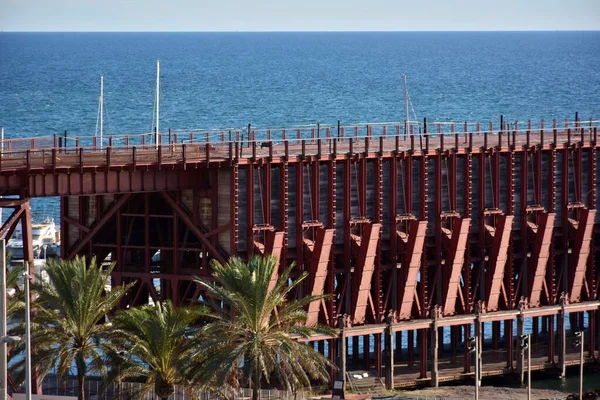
410,267
580,253
455,259
364,272
319,260
498,257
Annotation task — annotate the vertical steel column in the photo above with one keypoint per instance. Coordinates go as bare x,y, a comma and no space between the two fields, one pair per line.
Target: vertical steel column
64,231
441,278
331,204
393,254
509,281
250,208
347,241
377,281
468,211
423,292
300,214
283,209
234,213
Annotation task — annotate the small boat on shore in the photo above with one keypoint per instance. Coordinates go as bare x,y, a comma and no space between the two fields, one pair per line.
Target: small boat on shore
45,239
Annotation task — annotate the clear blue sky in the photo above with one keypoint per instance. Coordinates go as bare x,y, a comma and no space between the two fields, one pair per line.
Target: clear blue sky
297,15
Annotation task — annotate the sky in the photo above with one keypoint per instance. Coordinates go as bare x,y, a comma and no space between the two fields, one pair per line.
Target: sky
298,15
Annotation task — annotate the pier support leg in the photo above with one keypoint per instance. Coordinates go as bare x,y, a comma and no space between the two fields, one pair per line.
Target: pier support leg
509,343
466,353
378,354
562,340
389,356
520,354
411,348
342,350
591,335
422,339
551,339
435,342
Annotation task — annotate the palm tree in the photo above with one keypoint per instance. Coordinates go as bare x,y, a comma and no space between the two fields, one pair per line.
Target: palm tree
156,342
69,318
263,333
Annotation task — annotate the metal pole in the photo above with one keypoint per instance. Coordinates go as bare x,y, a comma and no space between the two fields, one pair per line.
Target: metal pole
3,372
157,100
477,368
405,106
26,278
101,109
581,368
529,367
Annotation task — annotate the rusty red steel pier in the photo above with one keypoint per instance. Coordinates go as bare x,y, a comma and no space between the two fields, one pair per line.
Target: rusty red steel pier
422,238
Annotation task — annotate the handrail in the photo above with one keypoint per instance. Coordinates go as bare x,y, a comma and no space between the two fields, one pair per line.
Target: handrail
313,131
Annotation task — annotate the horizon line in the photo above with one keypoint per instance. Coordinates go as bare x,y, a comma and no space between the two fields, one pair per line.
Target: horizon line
309,31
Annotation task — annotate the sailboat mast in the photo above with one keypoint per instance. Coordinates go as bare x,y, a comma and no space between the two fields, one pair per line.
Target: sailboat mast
157,99
101,108
406,119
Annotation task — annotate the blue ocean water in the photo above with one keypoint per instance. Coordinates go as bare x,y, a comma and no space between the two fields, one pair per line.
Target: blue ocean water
49,82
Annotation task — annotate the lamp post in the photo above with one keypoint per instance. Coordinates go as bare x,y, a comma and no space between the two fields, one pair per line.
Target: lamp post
579,342
26,278
526,345
474,348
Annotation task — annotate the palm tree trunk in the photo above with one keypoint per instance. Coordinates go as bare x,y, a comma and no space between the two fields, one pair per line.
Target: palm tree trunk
256,386
81,370
81,383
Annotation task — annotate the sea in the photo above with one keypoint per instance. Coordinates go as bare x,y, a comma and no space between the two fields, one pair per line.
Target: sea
50,82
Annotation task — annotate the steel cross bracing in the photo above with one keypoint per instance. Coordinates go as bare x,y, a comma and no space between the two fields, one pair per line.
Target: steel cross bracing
407,233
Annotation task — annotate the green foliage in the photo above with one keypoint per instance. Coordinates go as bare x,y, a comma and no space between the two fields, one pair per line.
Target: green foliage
157,343
263,330
70,317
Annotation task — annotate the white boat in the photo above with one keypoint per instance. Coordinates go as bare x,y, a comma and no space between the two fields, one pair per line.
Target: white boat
45,239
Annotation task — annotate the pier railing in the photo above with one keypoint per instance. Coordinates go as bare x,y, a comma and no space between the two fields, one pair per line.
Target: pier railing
52,152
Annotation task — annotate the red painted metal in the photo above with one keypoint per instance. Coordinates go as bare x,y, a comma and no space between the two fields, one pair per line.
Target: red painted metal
411,264
319,260
540,254
580,253
364,272
498,257
273,246
455,260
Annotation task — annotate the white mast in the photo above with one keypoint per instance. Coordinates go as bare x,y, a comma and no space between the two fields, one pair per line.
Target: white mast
101,108
157,100
405,105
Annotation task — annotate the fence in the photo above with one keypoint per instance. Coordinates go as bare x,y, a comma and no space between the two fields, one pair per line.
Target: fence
94,390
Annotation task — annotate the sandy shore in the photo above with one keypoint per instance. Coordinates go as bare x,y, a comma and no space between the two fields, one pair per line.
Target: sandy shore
485,393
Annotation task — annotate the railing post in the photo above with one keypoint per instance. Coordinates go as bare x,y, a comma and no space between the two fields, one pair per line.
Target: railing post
184,155
80,149
159,155
54,159
134,156
108,151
